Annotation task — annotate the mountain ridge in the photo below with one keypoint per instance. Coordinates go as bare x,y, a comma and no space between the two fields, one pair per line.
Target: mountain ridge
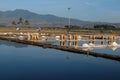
6,17
31,15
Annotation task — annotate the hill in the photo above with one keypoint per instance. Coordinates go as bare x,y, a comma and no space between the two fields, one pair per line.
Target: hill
7,17
48,20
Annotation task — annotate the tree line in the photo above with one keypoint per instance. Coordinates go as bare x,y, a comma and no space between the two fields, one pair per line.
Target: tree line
105,27
21,22
71,27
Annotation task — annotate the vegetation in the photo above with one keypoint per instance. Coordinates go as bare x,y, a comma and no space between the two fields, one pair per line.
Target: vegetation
2,25
14,23
72,27
21,22
105,27
27,22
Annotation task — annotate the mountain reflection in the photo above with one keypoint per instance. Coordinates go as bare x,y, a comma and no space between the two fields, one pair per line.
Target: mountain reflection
17,45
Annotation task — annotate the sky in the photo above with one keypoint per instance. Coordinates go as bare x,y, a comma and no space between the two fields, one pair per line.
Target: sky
87,10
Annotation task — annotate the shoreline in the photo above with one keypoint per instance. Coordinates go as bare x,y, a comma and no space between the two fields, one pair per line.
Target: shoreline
59,31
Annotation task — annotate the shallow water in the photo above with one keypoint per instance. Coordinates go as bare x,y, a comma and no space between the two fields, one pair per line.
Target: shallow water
26,62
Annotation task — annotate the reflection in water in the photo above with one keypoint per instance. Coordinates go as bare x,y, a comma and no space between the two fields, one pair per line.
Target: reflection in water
69,43
109,42
75,43
92,41
36,63
17,45
102,42
114,48
67,57
62,43
87,49
91,44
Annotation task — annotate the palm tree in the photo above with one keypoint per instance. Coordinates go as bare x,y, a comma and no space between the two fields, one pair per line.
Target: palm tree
14,23
27,22
20,21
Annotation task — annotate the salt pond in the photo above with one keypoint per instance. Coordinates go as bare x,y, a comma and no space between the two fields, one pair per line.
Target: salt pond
26,62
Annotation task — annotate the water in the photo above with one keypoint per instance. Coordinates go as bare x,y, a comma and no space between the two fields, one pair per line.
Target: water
112,50
25,62
115,51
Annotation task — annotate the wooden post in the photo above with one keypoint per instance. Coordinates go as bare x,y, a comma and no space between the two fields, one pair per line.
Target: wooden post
90,38
75,38
114,38
102,41
61,37
93,38
61,44
102,38
64,37
76,43
28,37
37,37
64,43
31,36
69,43
69,37
110,39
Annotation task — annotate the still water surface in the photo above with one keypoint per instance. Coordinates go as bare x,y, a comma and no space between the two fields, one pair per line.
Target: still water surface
25,62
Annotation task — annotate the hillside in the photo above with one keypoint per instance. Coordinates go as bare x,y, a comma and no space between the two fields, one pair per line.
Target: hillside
7,16
48,20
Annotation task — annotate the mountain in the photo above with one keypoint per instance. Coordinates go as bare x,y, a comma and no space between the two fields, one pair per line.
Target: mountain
48,20
7,17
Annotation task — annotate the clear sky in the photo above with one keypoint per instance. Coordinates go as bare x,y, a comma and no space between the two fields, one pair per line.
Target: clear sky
88,10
